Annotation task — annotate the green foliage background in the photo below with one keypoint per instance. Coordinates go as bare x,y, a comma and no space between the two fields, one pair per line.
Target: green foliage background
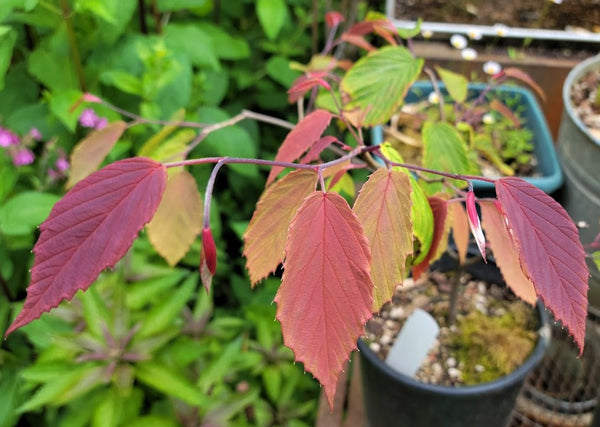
145,345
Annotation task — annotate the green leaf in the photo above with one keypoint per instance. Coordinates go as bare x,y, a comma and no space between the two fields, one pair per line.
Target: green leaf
271,377
377,83
144,291
163,315
10,390
596,259
278,68
168,381
8,175
174,5
78,380
222,365
95,311
409,33
421,214
456,84
51,63
61,104
96,7
25,211
271,15
124,81
444,150
225,45
194,43
8,37
231,141
153,421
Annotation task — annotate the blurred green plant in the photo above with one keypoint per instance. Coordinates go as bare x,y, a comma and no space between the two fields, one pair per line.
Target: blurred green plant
144,346
177,60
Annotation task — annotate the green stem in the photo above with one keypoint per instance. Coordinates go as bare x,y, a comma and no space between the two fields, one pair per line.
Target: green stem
75,56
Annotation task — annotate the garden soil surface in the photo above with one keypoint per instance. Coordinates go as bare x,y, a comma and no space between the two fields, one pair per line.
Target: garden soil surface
578,15
448,363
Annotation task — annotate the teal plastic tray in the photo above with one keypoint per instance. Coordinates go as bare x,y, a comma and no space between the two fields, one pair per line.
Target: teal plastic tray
548,166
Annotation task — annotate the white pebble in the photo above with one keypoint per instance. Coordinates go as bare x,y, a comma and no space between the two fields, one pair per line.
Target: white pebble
397,313
375,347
454,373
479,368
451,362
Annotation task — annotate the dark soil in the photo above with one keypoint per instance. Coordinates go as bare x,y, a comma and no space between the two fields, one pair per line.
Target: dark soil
450,362
570,14
585,100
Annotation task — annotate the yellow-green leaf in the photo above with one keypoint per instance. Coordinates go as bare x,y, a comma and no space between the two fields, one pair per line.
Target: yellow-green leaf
267,232
382,208
377,83
150,146
456,84
88,154
178,219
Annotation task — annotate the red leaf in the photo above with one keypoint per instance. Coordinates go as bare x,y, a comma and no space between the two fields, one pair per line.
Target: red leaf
517,73
208,258
460,229
549,249
305,83
90,229
267,233
439,207
325,296
334,18
383,208
507,259
474,223
315,151
301,138
358,41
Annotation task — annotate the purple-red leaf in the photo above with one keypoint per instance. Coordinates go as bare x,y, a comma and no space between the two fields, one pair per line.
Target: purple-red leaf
383,208
301,138
439,207
549,249
90,229
325,296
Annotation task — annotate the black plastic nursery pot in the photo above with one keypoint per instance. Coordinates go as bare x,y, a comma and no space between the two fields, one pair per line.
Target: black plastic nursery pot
394,399
579,154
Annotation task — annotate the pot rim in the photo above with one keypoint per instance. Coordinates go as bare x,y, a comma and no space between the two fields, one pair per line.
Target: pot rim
575,74
498,384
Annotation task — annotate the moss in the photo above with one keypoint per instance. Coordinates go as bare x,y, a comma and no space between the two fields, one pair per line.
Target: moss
498,343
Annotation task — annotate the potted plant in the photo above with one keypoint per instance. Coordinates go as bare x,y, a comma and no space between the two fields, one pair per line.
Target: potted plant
487,344
502,124
340,263
579,153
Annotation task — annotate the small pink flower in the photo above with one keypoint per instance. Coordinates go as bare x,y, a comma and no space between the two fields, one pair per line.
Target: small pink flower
88,118
474,223
88,97
62,164
22,156
35,134
8,138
